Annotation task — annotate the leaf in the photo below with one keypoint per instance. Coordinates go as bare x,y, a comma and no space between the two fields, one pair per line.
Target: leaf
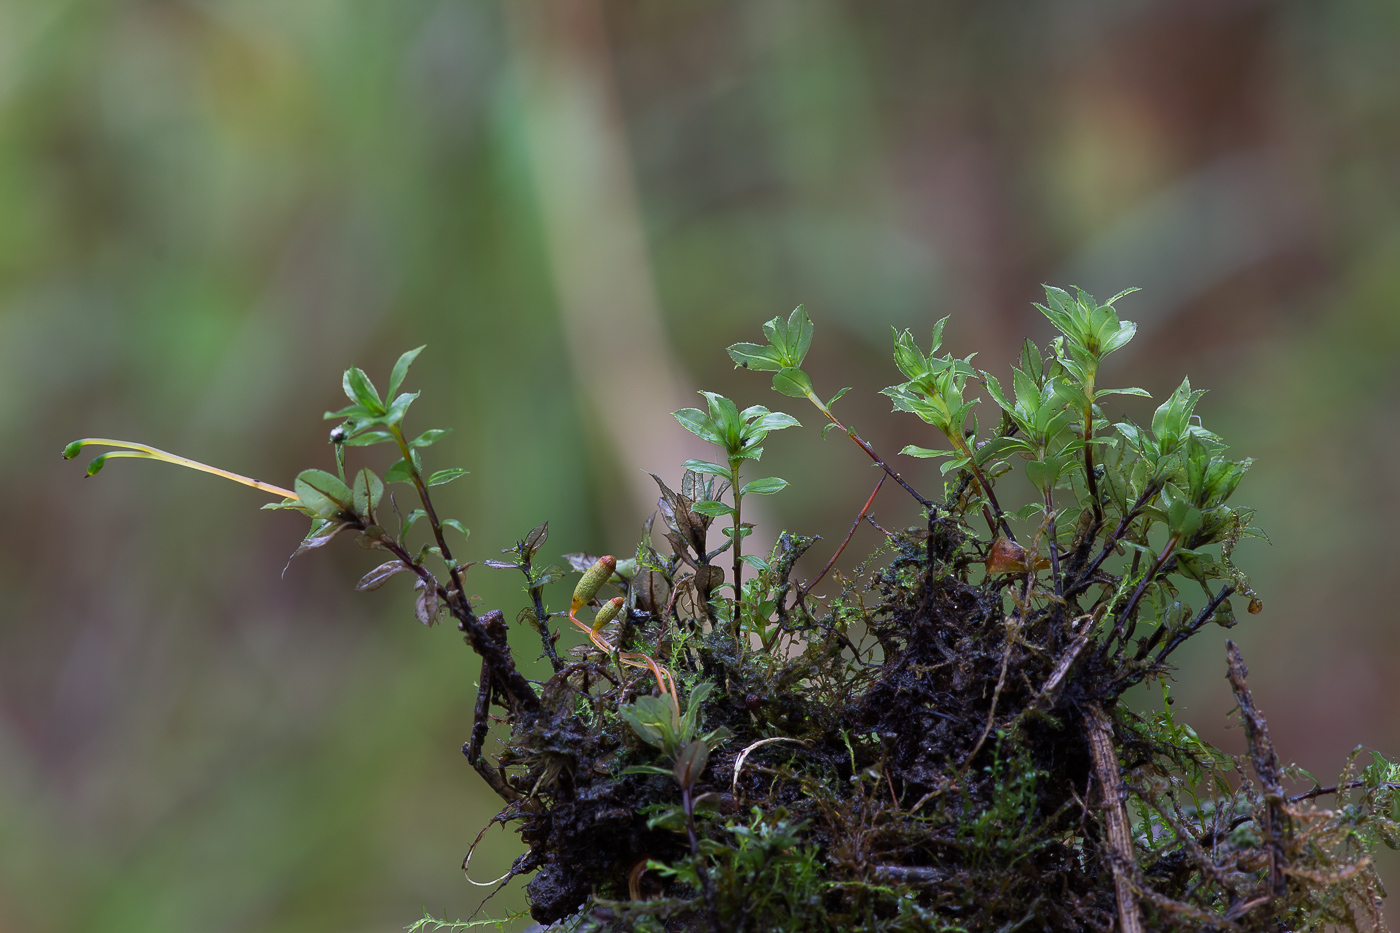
443,477
400,472
581,561
698,423
537,537
368,491
319,536
834,398
1039,473
410,518
291,504
724,415
711,508
429,437
764,487
756,357
428,607
705,468
754,561
358,388
400,407
380,575
927,452
792,382
453,523
690,763
401,369
770,421
366,438
323,493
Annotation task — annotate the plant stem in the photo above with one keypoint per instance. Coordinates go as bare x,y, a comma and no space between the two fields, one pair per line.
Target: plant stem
960,444
847,540
146,452
737,536
537,597
1089,478
1118,628
509,680
870,451
1054,546
432,515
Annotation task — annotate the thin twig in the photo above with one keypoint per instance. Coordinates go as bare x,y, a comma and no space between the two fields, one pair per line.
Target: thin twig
847,540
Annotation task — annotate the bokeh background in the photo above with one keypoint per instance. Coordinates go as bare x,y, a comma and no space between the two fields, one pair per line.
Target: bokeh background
209,209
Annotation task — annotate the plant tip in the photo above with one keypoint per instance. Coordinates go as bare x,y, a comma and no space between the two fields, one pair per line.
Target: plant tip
72,450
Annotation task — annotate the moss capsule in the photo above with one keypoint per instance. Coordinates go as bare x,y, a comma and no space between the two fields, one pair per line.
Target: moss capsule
609,612
592,581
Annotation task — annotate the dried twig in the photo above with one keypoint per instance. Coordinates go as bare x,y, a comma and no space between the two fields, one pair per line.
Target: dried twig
1120,841
1266,766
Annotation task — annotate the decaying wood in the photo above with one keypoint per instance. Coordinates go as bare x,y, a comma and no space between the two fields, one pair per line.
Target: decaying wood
1120,841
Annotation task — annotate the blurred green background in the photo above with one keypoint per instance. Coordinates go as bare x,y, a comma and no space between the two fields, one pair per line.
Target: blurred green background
209,209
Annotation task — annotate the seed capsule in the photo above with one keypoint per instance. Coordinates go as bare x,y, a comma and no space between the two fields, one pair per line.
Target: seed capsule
592,581
609,612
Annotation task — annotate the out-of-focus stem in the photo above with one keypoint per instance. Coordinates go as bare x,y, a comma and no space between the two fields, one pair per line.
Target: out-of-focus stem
145,452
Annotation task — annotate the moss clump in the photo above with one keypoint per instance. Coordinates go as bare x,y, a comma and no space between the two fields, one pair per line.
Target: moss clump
940,745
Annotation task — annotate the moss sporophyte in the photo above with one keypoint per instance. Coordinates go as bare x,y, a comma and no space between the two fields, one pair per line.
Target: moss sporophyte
942,743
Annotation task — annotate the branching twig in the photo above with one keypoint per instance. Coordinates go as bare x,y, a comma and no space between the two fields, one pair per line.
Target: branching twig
1266,767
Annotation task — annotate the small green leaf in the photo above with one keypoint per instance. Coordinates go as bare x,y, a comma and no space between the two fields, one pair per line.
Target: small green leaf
353,412
792,382
96,465
1039,473
72,450
401,369
323,493
400,407
290,504
368,491
756,357
799,335
764,487
711,508
366,438
443,477
706,468
827,427
698,423
412,517
770,421
453,523
926,452
754,561
358,388
833,399
400,472
430,436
